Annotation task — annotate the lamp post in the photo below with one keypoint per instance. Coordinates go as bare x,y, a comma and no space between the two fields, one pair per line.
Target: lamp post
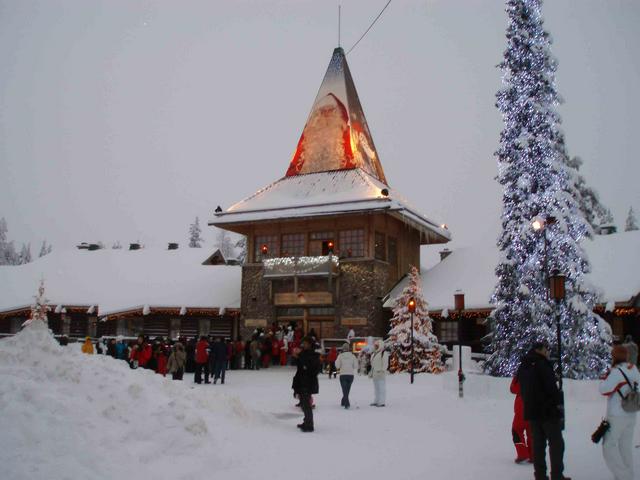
557,290
539,224
458,298
411,306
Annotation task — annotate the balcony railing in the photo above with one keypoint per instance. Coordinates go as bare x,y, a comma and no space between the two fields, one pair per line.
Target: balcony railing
320,266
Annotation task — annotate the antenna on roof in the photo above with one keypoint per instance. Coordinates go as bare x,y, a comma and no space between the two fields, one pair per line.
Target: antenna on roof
339,8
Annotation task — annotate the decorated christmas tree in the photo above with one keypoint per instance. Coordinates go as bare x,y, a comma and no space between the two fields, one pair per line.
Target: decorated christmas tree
40,308
426,356
542,225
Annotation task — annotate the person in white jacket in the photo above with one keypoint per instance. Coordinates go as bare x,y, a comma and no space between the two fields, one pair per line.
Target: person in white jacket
617,447
347,364
378,372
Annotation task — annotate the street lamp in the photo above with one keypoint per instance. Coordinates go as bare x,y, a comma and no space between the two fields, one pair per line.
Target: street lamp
458,298
557,290
539,224
411,306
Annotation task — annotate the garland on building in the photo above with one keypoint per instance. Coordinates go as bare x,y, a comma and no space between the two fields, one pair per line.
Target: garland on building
427,357
538,184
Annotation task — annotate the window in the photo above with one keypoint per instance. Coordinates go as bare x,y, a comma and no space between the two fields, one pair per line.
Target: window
351,243
393,252
271,241
321,311
292,245
290,312
381,247
448,332
319,243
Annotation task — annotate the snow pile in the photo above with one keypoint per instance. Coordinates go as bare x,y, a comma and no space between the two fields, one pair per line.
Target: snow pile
70,415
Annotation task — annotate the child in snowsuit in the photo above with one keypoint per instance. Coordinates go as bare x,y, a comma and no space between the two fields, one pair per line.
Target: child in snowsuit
87,346
520,426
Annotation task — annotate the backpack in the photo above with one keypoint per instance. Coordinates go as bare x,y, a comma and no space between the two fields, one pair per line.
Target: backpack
630,402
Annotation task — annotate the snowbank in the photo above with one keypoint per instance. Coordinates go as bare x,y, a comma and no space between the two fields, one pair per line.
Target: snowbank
70,415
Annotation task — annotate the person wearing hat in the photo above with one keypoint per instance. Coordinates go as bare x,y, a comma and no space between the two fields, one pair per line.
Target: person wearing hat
305,381
544,409
617,447
347,363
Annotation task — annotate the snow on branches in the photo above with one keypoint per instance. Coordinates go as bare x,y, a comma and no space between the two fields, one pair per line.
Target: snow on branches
426,357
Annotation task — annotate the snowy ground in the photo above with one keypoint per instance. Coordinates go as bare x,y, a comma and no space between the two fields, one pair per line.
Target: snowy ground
64,415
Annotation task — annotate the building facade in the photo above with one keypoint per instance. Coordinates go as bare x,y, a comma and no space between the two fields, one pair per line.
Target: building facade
328,241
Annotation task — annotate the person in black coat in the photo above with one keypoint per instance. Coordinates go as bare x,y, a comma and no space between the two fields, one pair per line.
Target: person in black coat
219,359
544,409
305,381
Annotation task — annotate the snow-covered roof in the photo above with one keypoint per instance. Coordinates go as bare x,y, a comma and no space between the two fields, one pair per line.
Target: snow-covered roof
328,193
121,280
615,272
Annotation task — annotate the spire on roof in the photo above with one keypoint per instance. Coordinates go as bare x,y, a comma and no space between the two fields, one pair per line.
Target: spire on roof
336,135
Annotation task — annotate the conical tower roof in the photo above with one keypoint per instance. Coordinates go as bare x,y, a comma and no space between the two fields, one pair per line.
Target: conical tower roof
336,135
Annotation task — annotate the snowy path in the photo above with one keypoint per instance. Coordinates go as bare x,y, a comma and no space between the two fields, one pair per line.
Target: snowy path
67,416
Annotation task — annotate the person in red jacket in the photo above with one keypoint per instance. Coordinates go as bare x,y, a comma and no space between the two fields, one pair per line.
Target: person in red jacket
161,361
140,353
283,351
202,360
332,356
275,351
520,426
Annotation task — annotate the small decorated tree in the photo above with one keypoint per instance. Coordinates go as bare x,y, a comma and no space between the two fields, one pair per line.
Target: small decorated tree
426,350
40,308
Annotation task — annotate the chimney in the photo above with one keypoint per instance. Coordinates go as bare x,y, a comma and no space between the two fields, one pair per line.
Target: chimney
172,246
134,246
444,253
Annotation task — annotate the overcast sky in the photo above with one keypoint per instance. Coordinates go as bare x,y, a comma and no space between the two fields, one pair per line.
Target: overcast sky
123,119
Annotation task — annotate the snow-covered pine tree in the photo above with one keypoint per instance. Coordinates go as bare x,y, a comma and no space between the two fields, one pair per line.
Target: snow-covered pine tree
427,356
538,183
40,308
224,243
632,222
8,254
25,254
45,249
195,237
241,249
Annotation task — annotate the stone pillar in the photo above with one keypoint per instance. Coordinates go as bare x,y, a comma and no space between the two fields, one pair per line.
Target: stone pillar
121,327
65,322
174,328
92,327
204,326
